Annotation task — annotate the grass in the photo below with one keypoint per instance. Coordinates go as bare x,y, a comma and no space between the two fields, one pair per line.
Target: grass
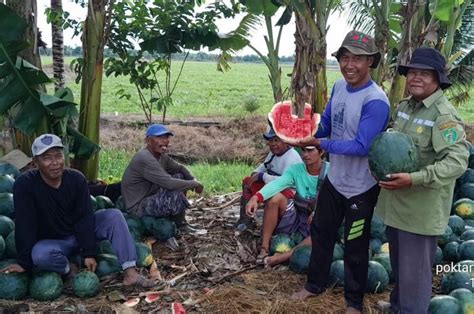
218,178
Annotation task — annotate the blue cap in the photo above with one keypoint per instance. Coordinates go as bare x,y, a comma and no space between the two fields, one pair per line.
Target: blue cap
157,130
270,133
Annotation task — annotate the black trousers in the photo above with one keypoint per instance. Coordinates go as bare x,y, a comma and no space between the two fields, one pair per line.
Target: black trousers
332,209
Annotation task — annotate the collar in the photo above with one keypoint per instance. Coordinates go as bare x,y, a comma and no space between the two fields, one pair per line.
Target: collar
428,101
354,90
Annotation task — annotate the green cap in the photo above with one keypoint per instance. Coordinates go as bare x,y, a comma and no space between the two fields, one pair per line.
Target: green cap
359,44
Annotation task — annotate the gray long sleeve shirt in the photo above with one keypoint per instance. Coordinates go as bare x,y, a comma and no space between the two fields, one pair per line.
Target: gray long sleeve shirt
146,174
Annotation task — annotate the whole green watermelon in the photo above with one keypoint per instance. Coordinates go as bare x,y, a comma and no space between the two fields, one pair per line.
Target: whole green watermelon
103,202
7,168
144,254
148,225
377,278
6,225
13,286
299,260
466,190
337,272
466,250
46,286
457,224
107,264
10,245
120,204
392,152
163,229
338,252
384,260
455,280
464,208
465,298
444,304
86,284
6,183
281,243
451,252
6,205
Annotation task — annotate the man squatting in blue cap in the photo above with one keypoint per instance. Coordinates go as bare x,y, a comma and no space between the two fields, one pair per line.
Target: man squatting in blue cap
154,184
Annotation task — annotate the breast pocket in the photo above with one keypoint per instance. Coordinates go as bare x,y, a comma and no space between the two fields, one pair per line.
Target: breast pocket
422,137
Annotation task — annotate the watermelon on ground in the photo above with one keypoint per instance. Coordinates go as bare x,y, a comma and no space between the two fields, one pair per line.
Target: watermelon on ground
288,126
10,245
164,229
465,298
281,243
466,190
120,203
467,235
457,224
393,152
445,237
107,264
384,260
105,247
297,237
2,246
6,225
86,284
375,244
103,202
451,252
466,250
455,280
338,252
6,183
444,304
144,255
377,278
8,168
337,272
464,208
148,224
377,228
6,205
466,266
13,286
46,286
299,260
438,256
134,224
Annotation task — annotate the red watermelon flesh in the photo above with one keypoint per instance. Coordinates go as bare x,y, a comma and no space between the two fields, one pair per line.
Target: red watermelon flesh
289,127
177,308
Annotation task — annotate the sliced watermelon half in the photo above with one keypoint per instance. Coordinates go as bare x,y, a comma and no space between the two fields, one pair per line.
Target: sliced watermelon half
289,127
152,297
177,308
131,302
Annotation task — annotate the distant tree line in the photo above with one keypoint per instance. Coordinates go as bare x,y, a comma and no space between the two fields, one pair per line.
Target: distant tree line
197,56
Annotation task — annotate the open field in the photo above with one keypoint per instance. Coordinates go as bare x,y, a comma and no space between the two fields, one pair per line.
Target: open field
205,92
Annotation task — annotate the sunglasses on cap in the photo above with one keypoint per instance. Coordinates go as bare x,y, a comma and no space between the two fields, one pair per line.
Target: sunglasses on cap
308,148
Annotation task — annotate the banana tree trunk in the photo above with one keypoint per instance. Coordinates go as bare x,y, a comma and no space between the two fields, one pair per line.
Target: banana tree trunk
57,47
382,34
89,117
412,26
27,9
308,81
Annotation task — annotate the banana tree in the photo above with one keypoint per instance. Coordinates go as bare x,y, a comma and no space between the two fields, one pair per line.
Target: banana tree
93,42
308,81
21,99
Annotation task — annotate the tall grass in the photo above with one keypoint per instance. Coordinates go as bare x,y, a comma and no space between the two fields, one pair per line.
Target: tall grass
218,178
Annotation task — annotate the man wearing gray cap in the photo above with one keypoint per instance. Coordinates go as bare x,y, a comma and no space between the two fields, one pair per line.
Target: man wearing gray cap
154,184
357,111
54,219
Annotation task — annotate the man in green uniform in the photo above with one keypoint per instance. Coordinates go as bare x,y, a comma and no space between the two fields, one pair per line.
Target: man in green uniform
416,206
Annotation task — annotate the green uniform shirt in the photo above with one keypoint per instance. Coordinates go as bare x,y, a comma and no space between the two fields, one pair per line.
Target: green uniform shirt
438,132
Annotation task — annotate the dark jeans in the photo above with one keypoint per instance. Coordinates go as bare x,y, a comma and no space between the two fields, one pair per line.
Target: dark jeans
412,258
331,210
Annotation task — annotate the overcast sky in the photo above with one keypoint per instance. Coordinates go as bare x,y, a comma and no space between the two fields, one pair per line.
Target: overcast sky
337,30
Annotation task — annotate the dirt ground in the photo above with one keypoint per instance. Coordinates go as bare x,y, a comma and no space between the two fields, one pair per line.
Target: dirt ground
213,272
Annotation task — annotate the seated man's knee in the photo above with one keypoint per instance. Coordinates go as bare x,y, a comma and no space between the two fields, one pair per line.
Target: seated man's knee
109,214
41,255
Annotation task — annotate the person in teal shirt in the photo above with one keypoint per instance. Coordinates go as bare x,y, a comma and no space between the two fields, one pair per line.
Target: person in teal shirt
282,215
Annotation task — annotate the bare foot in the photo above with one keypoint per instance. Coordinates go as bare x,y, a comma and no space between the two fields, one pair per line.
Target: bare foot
302,295
275,259
131,277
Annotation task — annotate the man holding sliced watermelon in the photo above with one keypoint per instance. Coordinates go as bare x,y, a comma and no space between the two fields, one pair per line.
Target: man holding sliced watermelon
357,111
54,219
416,206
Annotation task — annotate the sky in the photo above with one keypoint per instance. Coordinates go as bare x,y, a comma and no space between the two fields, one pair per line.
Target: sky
337,30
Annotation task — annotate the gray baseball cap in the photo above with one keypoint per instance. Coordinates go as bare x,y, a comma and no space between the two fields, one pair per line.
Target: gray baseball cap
44,142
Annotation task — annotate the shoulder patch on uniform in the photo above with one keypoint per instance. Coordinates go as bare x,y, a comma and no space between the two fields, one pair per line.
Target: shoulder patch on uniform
450,135
448,124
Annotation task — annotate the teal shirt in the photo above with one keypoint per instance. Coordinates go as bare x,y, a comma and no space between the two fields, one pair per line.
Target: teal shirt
297,177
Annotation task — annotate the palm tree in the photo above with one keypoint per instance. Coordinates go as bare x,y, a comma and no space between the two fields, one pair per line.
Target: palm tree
57,46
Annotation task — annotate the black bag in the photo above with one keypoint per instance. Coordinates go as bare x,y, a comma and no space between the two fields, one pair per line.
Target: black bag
304,205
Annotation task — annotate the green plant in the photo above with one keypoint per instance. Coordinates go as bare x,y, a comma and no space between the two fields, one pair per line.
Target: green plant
250,103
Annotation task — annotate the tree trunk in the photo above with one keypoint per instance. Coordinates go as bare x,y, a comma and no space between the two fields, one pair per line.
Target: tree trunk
57,47
411,39
382,35
308,81
93,41
27,10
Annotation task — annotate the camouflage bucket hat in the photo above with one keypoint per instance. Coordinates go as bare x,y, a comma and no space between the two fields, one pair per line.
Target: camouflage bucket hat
359,44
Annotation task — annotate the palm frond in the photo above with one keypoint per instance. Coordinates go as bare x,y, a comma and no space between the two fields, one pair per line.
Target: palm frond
461,76
239,37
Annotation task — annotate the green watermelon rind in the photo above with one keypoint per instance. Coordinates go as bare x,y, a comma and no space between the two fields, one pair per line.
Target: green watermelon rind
46,286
